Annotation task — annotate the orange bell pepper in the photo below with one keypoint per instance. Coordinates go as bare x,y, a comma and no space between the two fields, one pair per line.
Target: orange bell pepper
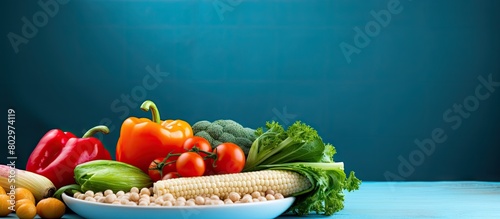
142,140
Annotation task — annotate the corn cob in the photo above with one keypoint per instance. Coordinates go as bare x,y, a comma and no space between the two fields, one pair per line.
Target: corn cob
280,181
39,185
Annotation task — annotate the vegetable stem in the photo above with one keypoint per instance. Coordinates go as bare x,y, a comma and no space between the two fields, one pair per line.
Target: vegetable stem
94,130
150,105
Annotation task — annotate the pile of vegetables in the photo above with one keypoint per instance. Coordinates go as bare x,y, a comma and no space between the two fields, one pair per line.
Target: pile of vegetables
25,203
165,157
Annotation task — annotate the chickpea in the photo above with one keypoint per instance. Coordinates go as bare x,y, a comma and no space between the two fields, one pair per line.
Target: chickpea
132,203
123,201
269,191
246,199
108,192
247,196
89,193
278,196
110,198
120,193
167,203
255,194
159,201
270,197
91,199
144,200
234,196
208,201
145,191
199,200
134,197
134,190
168,196
101,199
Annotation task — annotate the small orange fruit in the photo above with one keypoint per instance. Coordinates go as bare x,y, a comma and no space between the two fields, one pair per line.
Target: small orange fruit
50,208
5,206
22,193
22,202
26,211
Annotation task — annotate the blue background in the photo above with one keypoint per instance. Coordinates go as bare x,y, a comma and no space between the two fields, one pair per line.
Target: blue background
264,60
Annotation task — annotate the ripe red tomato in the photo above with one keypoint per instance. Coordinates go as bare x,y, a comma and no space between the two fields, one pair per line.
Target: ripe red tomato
230,158
190,164
209,169
157,169
199,142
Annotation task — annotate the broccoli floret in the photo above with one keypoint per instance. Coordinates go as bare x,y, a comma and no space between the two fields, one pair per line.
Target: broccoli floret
250,133
221,131
215,131
227,137
224,122
235,130
243,141
204,135
200,126
216,143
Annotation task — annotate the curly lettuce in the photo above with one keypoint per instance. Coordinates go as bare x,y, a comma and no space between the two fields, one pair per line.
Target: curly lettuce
299,148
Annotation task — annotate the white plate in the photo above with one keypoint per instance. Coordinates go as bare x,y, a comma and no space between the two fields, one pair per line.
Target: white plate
258,210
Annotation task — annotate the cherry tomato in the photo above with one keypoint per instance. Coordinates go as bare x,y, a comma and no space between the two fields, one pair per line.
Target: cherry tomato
170,175
199,142
153,171
209,169
230,158
157,169
204,145
190,164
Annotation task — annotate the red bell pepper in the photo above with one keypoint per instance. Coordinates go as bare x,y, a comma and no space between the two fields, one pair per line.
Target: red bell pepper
58,153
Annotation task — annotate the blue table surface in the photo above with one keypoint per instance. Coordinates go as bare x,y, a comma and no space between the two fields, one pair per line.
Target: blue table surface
463,199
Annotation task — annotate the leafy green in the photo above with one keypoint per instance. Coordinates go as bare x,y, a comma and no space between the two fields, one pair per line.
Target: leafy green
299,143
328,153
328,180
299,148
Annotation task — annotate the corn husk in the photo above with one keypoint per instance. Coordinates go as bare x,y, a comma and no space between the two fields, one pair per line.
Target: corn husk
100,175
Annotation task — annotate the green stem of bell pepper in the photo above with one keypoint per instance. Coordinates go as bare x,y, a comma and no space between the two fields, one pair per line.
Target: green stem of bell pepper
92,131
149,105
